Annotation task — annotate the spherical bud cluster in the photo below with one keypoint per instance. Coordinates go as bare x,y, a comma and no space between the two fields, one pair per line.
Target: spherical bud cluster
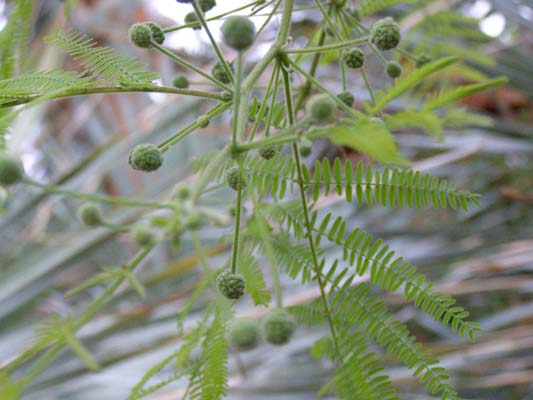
195,220
354,58
90,215
394,70
157,32
182,191
423,60
142,234
231,284
306,147
181,81
219,73
320,107
268,152
238,32
278,326
207,5
11,170
145,157
347,98
192,18
234,178
243,334
140,35
385,34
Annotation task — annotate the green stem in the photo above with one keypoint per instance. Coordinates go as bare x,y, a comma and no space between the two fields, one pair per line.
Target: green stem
329,47
237,100
270,16
128,89
215,111
268,123
118,201
221,59
307,220
187,64
378,54
368,87
261,111
330,23
236,231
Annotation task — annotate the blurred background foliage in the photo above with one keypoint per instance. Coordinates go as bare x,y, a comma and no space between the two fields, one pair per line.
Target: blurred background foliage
483,257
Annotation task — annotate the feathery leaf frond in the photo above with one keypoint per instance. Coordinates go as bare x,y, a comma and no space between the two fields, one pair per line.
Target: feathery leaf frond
102,62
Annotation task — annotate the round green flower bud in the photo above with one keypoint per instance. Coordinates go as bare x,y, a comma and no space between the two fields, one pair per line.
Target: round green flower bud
192,18
181,81
306,147
219,73
90,215
320,107
354,58
195,220
146,157
347,98
278,326
157,32
230,284
11,170
394,70
140,35
423,60
234,177
385,34
182,191
378,121
268,152
243,334
238,32
207,5
142,234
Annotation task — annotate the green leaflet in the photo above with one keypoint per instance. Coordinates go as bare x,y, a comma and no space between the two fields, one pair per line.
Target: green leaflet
371,138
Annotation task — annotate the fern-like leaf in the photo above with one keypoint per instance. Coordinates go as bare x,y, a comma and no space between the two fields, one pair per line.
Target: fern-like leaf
391,187
102,62
359,308
447,96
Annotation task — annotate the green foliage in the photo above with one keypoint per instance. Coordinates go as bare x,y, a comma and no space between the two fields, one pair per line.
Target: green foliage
102,62
296,237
